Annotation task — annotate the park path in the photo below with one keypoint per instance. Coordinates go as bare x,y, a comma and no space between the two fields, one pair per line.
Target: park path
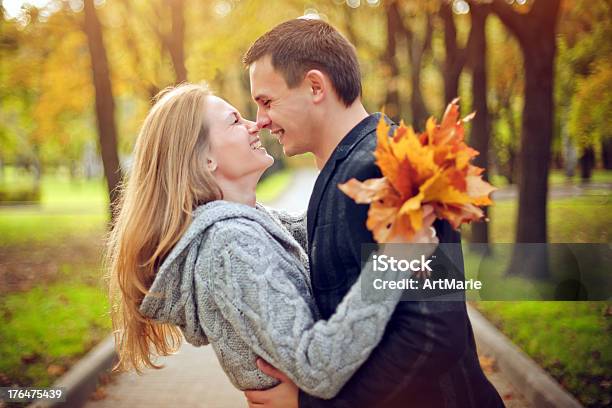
194,378
554,190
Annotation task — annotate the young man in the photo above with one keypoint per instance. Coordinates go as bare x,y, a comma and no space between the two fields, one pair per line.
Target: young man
306,82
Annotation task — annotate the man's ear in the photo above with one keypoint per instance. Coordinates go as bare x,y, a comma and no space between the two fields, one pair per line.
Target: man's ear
318,84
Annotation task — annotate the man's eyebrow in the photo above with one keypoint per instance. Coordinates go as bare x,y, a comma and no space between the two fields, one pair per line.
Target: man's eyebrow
260,97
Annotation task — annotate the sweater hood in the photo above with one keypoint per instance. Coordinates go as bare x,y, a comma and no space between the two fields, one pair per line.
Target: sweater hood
172,295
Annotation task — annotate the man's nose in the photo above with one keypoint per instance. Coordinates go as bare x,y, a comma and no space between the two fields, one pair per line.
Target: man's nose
263,120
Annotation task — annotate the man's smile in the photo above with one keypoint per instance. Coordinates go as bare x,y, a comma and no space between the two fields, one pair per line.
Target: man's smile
278,134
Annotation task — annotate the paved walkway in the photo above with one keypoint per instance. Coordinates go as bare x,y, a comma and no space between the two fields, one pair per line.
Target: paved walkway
194,378
554,191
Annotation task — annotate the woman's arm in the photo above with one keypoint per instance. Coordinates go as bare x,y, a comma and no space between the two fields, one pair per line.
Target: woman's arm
255,285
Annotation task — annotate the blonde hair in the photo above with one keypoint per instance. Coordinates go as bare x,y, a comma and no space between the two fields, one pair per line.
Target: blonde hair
169,178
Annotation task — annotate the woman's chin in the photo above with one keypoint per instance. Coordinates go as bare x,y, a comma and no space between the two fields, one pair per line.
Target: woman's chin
269,160
264,164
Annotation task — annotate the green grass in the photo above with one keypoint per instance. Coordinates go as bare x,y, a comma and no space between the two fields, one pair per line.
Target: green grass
272,186
67,195
598,176
49,325
557,177
59,191
68,208
23,227
573,219
571,340
75,208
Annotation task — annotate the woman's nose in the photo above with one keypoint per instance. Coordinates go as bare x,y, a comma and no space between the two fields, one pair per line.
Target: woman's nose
252,127
263,120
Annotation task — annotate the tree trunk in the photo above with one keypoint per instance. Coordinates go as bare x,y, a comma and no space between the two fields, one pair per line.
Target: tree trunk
587,163
392,100
512,160
145,85
455,56
512,153
105,106
606,153
536,34
37,167
479,139
536,138
569,150
417,51
534,157
349,26
245,84
176,39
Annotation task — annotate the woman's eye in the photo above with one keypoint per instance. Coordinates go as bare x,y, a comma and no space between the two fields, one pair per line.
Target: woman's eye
236,119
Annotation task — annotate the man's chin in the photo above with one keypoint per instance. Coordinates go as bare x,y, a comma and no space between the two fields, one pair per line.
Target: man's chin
290,151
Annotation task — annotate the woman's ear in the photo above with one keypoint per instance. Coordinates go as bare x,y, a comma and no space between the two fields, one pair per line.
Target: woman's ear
211,164
317,83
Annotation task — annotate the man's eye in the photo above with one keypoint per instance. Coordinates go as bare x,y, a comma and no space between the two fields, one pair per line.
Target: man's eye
267,103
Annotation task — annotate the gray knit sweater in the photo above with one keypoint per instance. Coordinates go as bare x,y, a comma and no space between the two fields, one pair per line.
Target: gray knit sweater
238,280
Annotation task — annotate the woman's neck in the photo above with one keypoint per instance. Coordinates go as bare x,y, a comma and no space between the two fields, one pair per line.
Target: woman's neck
241,190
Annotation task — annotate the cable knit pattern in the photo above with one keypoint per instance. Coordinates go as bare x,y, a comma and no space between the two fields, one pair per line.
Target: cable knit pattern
238,280
294,223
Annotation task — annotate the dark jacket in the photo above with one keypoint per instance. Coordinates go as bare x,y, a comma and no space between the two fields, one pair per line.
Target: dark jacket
427,356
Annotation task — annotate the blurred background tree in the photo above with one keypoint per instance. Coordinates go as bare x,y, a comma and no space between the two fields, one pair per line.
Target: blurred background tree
500,57
78,76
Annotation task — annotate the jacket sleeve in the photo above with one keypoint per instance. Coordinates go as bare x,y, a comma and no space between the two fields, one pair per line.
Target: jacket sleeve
255,285
422,341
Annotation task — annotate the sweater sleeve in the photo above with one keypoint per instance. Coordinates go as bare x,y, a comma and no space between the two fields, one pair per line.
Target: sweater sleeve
255,284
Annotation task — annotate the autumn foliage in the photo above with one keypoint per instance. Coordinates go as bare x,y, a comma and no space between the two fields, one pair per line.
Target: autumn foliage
430,168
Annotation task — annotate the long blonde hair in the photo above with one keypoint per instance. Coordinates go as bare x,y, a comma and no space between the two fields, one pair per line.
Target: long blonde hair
168,179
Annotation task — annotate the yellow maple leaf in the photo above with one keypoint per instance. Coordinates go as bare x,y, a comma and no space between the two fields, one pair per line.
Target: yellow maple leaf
432,168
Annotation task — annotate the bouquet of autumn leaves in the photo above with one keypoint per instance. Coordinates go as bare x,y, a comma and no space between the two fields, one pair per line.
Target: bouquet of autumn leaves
432,168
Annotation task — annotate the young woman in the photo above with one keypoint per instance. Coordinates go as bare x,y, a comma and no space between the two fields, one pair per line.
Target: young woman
192,253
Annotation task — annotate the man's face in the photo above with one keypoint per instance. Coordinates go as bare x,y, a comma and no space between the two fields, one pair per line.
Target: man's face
286,112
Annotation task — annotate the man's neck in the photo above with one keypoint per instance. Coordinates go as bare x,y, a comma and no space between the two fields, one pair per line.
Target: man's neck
340,123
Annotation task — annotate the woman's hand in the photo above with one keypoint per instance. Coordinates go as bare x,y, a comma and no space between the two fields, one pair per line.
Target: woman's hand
425,237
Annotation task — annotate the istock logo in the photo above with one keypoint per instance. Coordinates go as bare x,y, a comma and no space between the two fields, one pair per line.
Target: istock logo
383,263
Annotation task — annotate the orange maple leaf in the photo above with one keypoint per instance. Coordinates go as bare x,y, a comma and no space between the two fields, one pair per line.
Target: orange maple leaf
431,168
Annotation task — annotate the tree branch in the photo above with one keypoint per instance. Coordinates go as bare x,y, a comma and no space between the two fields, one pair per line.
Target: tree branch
515,22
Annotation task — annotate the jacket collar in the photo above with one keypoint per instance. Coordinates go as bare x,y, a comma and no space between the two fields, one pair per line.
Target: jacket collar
346,145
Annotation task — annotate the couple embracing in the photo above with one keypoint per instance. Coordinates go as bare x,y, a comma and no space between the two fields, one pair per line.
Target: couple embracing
278,296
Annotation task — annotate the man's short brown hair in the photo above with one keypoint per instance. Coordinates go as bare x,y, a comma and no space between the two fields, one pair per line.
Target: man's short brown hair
297,46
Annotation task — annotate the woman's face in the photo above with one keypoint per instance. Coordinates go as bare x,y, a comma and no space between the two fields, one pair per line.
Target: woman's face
235,148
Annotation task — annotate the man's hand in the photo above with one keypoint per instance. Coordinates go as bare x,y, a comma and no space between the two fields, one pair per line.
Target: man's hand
284,395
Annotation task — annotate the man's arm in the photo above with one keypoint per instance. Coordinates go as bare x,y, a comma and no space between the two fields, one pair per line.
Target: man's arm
423,339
